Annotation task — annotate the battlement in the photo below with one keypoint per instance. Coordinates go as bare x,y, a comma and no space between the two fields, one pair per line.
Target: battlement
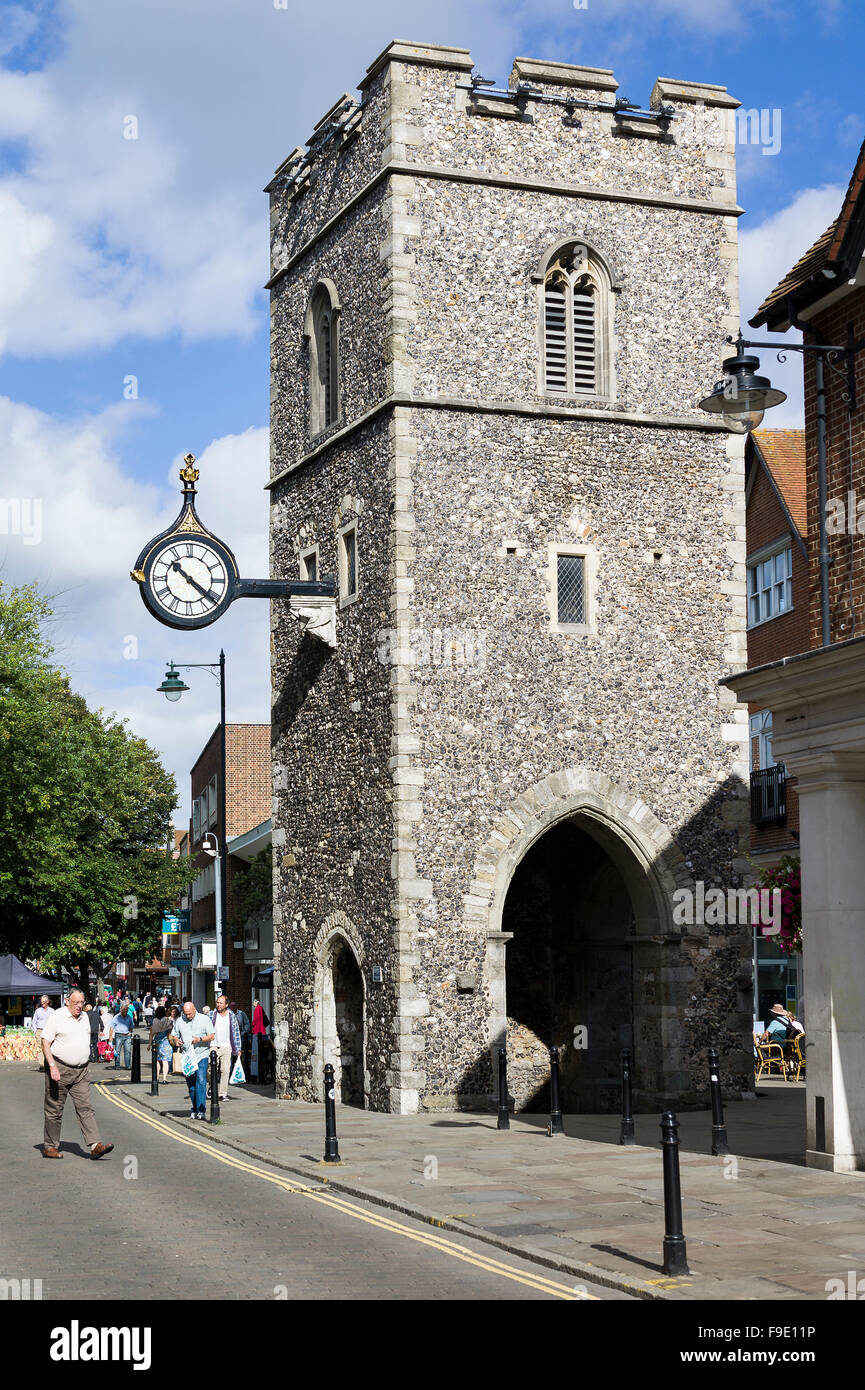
423,108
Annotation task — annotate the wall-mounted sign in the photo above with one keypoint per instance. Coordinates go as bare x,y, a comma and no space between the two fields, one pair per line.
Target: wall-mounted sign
175,922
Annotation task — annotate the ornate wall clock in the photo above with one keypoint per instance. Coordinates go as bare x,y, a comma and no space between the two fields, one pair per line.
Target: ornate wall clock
188,577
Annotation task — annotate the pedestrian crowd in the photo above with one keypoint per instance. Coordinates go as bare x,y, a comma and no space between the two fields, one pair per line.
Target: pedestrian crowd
77,1033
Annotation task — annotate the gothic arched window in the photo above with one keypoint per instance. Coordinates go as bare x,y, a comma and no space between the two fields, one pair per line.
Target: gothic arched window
321,328
575,323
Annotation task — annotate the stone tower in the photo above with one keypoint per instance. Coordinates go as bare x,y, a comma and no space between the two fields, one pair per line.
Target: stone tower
493,315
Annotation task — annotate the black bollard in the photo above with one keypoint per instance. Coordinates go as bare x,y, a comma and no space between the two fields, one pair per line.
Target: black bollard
135,1074
504,1120
214,1089
675,1252
719,1129
627,1134
556,1126
331,1147
154,1072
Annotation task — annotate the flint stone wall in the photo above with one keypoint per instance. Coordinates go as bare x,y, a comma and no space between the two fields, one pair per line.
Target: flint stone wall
401,761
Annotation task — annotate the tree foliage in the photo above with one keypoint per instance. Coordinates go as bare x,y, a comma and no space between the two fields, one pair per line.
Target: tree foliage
252,893
85,813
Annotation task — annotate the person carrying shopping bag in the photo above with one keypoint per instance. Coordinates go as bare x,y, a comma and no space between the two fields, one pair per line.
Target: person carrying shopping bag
193,1032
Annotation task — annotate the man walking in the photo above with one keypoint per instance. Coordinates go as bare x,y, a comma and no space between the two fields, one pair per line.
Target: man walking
120,1029
226,1042
40,1018
194,1033
66,1047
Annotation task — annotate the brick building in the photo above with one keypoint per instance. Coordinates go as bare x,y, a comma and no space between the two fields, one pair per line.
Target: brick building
778,625
248,805
816,697
778,616
493,315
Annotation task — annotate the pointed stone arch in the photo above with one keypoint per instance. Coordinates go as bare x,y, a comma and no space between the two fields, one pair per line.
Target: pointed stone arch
338,950
640,847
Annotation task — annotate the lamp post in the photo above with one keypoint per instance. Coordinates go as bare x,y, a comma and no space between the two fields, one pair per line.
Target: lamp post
741,397
172,688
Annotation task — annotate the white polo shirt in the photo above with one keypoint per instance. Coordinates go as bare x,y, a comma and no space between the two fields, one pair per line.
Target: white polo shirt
69,1037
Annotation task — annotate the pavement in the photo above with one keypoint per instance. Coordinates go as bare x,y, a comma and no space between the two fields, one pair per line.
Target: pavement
758,1224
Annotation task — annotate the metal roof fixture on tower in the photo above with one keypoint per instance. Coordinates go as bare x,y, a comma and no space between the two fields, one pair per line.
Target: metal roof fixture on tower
524,92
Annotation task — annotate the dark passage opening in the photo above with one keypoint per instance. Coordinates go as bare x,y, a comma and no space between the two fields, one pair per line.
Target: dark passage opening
568,967
348,999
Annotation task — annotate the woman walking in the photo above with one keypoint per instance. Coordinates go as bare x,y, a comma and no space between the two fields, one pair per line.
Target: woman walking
159,1030
260,1022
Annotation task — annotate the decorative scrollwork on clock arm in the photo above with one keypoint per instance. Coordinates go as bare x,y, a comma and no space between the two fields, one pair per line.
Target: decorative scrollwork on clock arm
318,616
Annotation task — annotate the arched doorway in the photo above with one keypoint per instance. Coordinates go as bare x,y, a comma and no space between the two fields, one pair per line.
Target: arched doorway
342,1020
569,966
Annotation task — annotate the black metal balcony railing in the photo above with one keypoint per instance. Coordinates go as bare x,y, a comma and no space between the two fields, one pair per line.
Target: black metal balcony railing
769,796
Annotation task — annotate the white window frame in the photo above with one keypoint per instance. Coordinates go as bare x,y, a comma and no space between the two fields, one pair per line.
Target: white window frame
760,728
196,820
311,551
589,556
212,803
753,566
346,598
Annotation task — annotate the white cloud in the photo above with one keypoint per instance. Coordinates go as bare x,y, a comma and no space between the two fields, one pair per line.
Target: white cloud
766,253
94,522
168,232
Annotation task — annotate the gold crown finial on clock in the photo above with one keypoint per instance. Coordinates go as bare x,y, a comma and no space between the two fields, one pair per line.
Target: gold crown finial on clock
189,474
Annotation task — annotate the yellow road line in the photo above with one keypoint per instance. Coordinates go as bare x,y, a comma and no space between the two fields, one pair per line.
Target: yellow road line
330,1199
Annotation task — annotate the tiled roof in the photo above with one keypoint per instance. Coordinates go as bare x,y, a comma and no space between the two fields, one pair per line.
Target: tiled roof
783,453
837,249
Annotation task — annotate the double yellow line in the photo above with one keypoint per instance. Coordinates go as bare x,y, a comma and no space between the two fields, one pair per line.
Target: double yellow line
331,1199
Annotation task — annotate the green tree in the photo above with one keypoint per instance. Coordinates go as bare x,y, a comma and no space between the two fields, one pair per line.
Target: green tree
252,891
85,813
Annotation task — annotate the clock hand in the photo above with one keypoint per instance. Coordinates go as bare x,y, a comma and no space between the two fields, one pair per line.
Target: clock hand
194,582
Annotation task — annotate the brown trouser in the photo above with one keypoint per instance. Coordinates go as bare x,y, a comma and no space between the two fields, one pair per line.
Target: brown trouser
224,1055
74,1082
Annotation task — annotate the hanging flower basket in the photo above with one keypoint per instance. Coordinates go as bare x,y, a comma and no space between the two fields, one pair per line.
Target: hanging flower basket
787,877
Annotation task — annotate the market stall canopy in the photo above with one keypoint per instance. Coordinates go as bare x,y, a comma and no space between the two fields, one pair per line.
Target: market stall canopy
15,978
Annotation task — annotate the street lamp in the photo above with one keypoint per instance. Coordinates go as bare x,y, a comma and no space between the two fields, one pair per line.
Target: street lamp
172,688
212,849
741,397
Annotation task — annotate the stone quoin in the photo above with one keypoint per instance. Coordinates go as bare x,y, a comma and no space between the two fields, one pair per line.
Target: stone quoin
493,318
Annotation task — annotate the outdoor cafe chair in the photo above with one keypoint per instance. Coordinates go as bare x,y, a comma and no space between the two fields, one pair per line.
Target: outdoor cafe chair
769,1055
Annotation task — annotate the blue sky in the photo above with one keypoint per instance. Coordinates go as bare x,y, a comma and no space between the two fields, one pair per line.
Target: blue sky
146,257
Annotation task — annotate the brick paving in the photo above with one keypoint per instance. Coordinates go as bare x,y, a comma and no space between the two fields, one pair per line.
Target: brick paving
760,1227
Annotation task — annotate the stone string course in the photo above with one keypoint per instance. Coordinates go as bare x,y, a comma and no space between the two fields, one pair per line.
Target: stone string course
405,787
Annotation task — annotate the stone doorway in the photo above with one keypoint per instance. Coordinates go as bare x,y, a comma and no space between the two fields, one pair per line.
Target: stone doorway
568,966
343,1022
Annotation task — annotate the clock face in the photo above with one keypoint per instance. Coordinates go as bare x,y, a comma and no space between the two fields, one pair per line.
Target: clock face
189,580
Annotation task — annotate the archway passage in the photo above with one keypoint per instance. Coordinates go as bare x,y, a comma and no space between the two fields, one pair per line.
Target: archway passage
568,967
348,1022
